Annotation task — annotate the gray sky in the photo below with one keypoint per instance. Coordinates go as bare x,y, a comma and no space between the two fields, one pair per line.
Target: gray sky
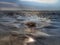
38,4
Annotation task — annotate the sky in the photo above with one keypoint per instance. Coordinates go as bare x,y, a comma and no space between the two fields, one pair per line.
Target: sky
38,4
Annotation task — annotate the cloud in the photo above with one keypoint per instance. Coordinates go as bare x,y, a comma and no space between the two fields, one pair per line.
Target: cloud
6,3
9,3
42,1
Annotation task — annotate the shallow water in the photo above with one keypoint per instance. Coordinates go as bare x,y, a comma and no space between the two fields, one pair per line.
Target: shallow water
47,25
54,30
